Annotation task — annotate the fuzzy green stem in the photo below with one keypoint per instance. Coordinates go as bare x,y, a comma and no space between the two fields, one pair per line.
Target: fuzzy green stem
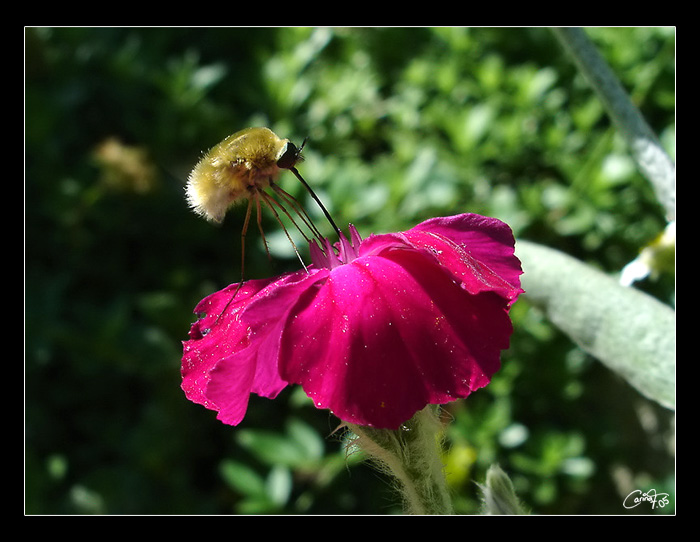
411,455
646,150
499,496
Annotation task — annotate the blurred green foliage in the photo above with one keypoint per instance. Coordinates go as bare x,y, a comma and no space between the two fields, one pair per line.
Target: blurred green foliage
403,124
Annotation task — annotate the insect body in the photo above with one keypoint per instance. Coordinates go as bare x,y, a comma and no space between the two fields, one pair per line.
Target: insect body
242,167
238,168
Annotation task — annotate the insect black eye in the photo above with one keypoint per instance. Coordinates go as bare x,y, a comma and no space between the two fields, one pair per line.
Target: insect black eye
289,156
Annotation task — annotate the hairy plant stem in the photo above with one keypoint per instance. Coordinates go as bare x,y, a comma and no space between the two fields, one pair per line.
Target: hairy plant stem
651,158
411,455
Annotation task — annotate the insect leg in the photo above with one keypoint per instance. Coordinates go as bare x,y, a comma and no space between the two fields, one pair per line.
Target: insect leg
297,207
270,201
244,232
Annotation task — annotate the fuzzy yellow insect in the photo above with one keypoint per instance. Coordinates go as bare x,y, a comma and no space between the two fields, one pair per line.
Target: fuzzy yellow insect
238,168
241,168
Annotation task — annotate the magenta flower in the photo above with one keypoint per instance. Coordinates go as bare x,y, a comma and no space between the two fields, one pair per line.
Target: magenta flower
374,331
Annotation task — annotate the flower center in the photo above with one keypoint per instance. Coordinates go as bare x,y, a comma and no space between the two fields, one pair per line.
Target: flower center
323,254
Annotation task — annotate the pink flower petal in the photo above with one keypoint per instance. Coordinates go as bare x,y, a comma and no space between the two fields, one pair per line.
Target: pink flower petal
478,250
384,336
222,362
374,330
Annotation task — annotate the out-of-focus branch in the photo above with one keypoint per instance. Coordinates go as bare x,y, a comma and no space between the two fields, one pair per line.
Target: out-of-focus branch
653,162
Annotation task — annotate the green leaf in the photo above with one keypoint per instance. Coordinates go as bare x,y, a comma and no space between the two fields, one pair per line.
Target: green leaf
629,331
307,438
279,485
272,448
300,446
242,478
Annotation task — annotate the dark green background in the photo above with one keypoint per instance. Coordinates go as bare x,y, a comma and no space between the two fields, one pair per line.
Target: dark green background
403,124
